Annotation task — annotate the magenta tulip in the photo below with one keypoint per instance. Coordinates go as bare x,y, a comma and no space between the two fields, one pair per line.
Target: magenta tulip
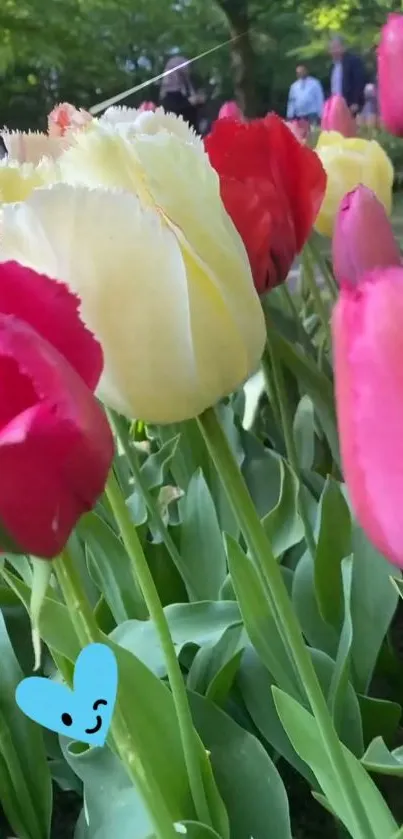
368,349
390,72
337,117
363,237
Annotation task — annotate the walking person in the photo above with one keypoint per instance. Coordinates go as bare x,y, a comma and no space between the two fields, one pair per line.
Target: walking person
305,98
347,75
176,91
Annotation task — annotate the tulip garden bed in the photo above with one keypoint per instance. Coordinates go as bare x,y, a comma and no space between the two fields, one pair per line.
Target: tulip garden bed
200,581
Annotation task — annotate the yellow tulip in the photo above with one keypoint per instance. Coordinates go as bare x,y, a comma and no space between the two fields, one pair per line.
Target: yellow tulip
32,146
348,163
163,276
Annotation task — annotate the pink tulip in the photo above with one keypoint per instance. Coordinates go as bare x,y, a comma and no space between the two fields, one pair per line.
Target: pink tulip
390,72
230,110
368,349
147,106
363,237
337,117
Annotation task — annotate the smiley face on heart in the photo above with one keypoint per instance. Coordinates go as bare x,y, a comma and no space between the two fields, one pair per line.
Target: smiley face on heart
84,713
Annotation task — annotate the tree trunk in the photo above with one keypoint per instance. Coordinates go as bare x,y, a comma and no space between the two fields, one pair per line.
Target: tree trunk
243,56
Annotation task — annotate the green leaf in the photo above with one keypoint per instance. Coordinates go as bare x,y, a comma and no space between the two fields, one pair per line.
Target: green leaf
189,623
373,604
255,683
304,433
26,790
333,544
109,567
215,665
249,783
258,618
201,544
193,830
379,717
262,473
157,466
305,736
317,632
341,674
283,524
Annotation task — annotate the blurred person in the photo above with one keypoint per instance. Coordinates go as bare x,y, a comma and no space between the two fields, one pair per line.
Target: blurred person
369,115
347,75
177,94
305,98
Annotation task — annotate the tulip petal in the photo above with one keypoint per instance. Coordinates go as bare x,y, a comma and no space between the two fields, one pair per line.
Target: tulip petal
18,181
368,344
52,310
56,451
174,341
31,146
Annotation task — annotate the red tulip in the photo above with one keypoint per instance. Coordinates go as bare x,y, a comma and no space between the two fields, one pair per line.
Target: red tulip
368,348
56,447
337,117
390,71
272,186
230,110
363,237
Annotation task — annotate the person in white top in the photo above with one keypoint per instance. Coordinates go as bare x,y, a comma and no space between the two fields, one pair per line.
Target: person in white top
306,98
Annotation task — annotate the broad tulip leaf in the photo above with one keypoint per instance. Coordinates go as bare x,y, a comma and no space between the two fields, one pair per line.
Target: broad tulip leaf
379,717
373,604
189,623
249,783
262,473
304,432
215,665
25,783
333,545
379,759
317,632
305,736
258,617
200,542
110,568
193,830
283,524
341,674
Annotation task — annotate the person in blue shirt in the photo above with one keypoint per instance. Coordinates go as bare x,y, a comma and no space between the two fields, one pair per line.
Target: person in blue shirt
347,75
305,99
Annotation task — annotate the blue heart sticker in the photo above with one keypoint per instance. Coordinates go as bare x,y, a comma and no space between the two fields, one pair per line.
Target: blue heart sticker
84,713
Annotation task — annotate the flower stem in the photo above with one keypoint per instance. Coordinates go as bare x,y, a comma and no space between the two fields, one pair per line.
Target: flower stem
142,573
317,256
272,580
270,358
88,632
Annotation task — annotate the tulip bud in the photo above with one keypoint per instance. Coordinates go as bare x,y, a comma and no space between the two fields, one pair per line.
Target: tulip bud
390,71
147,106
337,117
363,237
230,110
367,334
349,162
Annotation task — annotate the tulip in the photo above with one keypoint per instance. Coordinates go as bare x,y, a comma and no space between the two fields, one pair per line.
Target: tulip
272,187
230,110
299,127
390,70
32,146
363,237
348,163
367,332
56,447
338,117
65,118
147,106
163,276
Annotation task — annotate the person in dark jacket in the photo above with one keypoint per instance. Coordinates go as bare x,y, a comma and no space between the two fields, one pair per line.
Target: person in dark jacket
176,91
347,76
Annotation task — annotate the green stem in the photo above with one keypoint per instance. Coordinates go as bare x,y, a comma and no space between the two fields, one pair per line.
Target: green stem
270,357
190,743
312,285
88,632
302,335
271,576
118,425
